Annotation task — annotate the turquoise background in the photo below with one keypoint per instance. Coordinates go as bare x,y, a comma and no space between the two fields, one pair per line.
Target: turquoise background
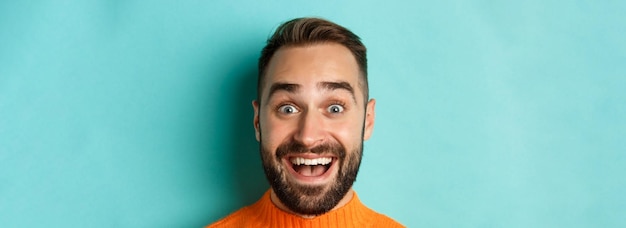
137,113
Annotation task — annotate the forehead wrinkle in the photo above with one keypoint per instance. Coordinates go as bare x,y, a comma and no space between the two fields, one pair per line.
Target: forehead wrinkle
280,86
337,85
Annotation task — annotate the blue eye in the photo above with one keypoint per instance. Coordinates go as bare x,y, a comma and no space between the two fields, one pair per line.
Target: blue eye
288,109
335,108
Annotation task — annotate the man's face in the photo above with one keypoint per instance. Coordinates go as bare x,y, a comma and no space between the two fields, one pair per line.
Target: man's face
311,122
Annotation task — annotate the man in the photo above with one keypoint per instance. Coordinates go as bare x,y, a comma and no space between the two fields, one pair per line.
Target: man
311,117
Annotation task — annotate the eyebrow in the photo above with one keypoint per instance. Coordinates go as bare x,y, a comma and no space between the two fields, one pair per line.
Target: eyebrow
288,87
330,86
337,85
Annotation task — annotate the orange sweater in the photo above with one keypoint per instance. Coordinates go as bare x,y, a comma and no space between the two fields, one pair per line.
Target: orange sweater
264,213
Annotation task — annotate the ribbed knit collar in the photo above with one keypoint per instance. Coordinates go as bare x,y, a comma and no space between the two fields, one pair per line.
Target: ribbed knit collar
353,214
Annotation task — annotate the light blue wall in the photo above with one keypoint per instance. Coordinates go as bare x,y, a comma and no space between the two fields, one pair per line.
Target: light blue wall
137,113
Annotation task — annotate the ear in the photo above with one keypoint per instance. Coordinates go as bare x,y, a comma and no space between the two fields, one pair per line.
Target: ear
370,113
255,105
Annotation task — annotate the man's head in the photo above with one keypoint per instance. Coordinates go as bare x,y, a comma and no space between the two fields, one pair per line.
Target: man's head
312,113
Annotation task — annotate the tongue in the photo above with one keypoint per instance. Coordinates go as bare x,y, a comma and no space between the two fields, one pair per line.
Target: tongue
311,170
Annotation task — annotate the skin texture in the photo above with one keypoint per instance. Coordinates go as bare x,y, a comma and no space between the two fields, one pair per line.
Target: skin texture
311,98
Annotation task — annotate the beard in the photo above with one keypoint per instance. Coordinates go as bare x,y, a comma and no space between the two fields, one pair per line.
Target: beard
311,199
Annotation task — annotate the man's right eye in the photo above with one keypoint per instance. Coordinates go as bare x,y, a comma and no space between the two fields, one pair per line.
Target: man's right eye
288,109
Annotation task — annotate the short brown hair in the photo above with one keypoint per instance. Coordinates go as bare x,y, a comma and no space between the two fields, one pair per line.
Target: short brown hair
307,31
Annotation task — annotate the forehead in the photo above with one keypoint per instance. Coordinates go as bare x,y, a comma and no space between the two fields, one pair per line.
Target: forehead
311,64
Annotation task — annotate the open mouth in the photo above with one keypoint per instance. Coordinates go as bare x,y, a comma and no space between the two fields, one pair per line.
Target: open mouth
310,167
307,168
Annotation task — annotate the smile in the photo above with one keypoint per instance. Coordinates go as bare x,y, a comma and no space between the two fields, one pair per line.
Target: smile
310,168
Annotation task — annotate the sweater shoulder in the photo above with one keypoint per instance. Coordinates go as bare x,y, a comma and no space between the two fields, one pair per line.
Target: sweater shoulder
381,220
247,216
235,219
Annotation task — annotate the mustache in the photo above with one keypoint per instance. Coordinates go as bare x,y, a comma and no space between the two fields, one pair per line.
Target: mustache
293,147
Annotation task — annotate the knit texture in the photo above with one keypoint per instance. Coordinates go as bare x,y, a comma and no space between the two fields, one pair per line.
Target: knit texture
264,213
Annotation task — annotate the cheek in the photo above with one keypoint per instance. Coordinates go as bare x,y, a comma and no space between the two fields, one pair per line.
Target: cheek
274,132
348,132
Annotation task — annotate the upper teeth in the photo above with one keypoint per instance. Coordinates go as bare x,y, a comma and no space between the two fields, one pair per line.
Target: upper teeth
314,161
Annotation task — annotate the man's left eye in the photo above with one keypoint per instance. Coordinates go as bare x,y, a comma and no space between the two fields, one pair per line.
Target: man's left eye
335,108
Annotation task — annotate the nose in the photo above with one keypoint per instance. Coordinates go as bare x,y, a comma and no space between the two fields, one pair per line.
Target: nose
310,129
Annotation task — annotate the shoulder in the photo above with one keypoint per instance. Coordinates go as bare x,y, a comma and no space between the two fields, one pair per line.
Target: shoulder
235,219
248,216
373,218
381,220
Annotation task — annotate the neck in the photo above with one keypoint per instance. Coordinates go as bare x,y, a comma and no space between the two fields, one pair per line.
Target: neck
282,206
